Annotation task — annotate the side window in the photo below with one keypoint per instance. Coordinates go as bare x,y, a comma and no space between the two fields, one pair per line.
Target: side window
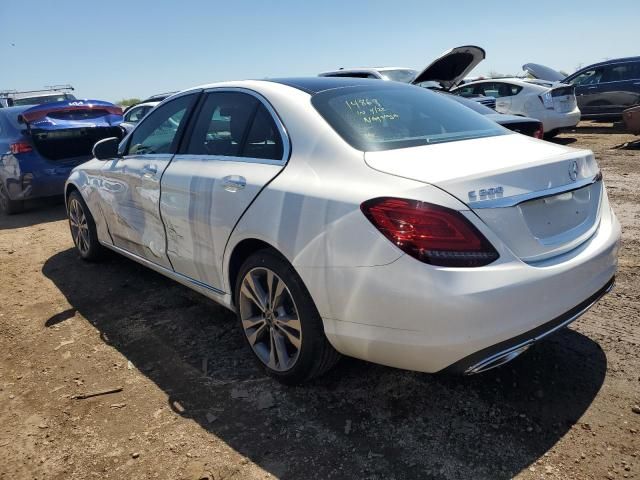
508,90
263,139
466,91
621,72
490,89
588,77
158,132
136,114
222,124
235,125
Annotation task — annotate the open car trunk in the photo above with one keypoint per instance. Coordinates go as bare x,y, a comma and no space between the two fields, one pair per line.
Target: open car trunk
543,72
541,203
68,130
450,68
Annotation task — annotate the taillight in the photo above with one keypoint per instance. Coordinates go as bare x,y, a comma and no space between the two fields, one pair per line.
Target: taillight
547,99
539,133
430,233
20,147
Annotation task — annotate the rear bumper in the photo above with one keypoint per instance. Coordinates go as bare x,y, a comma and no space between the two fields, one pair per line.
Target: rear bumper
43,182
552,120
417,317
506,351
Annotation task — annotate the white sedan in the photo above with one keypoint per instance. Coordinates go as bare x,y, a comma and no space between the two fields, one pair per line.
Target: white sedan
555,107
349,216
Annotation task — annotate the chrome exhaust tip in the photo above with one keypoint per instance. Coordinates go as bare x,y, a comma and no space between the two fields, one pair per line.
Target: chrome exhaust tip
497,359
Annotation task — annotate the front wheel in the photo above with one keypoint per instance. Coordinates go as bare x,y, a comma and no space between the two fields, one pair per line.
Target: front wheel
83,228
280,322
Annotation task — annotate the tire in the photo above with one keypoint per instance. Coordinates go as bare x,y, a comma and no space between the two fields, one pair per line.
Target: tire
8,206
83,228
551,134
290,351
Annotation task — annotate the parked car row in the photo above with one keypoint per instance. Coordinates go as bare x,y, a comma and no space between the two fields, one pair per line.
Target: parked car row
555,107
604,90
342,215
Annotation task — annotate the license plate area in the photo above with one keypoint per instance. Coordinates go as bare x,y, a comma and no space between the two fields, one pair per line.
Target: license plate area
552,219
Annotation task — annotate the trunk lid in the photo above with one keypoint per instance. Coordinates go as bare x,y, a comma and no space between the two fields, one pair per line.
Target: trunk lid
452,66
563,98
539,198
67,130
542,72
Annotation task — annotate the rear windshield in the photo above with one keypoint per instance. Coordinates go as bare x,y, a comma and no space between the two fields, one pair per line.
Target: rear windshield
387,117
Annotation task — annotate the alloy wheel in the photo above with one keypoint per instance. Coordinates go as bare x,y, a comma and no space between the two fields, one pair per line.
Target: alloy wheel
79,226
270,319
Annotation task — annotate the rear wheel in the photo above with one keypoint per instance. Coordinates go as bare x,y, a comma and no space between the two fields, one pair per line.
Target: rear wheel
7,205
83,228
280,322
551,133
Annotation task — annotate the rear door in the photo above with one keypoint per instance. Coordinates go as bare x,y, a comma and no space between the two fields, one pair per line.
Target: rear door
235,147
130,186
620,86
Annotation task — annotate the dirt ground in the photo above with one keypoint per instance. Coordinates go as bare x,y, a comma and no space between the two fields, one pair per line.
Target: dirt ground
193,405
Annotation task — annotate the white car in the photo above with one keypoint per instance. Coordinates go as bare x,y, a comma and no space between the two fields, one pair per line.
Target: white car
555,107
372,219
136,113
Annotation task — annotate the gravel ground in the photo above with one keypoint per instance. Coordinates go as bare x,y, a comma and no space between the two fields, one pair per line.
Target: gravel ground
192,404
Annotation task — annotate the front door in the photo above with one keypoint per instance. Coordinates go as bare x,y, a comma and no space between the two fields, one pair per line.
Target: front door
130,186
237,145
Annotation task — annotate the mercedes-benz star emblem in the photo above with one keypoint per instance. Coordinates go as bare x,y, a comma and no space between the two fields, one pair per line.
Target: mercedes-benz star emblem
573,171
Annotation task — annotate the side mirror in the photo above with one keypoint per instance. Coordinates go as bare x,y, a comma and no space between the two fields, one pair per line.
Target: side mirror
106,149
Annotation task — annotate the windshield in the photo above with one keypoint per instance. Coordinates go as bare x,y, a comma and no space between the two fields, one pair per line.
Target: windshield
59,97
390,116
399,75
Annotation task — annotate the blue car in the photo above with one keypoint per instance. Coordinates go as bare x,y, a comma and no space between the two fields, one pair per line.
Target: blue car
39,145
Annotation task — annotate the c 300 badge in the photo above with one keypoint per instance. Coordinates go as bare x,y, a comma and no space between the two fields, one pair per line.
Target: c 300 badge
486,193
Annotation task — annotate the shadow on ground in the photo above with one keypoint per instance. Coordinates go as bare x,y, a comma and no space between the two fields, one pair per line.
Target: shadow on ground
598,128
36,212
563,140
361,420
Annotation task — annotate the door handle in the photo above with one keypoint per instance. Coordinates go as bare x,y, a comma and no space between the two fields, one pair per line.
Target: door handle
149,170
233,183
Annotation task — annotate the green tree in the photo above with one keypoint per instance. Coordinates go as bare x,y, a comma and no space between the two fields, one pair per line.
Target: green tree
127,102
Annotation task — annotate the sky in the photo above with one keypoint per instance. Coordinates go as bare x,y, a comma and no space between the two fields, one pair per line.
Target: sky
118,49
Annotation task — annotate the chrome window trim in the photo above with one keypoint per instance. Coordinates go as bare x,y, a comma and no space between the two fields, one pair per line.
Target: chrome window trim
505,202
282,129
